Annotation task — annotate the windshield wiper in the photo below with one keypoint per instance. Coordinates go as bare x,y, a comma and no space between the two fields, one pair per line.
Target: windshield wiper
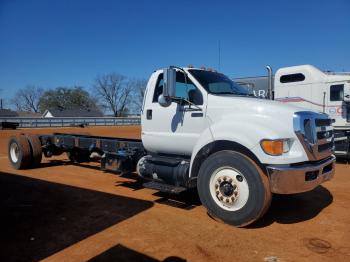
236,94
225,93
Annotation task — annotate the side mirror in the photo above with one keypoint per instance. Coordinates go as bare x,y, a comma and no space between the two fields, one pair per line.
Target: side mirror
347,93
164,101
169,84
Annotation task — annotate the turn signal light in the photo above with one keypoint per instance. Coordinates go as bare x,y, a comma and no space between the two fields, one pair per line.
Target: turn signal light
275,147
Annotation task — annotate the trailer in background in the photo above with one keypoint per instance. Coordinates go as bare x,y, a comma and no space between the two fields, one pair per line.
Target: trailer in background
308,87
256,85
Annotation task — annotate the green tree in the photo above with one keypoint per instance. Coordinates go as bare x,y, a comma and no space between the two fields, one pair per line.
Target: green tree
67,98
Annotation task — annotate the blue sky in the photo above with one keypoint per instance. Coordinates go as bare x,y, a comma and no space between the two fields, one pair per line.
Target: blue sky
65,43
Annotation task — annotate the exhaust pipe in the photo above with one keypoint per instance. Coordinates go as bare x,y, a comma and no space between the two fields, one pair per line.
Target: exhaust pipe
269,83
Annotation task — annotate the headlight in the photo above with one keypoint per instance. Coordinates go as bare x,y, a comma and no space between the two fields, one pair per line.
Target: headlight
275,147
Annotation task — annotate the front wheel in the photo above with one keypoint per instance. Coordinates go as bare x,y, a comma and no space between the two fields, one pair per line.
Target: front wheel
233,188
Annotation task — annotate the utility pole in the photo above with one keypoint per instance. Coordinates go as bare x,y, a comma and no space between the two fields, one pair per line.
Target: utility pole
1,101
219,67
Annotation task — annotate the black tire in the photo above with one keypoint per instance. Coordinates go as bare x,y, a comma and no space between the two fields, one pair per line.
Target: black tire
257,201
71,156
19,152
78,156
36,149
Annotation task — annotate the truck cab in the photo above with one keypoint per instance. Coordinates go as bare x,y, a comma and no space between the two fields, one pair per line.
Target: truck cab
214,130
310,88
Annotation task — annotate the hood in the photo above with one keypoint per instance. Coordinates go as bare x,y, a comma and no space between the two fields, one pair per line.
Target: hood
273,119
250,104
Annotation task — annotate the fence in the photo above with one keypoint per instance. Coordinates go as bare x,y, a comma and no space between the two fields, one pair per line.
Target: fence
71,121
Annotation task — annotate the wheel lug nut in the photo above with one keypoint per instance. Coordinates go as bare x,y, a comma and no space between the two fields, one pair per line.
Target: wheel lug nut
221,198
227,200
216,186
217,192
230,180
225,178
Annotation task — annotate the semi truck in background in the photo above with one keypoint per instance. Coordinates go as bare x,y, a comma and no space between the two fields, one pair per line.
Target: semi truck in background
193,136
308,87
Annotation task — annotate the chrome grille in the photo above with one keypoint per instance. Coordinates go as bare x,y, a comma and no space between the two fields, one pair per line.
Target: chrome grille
325,147
324,134
315,133
323,122
309,131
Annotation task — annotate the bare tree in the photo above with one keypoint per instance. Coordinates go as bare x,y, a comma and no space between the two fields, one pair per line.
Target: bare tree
28,98
114,91
139,88
1,101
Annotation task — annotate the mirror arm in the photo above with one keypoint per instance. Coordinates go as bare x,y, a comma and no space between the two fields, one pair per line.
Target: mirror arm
191,104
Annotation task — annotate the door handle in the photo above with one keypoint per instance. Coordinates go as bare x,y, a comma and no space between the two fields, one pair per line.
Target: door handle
196,114
149,114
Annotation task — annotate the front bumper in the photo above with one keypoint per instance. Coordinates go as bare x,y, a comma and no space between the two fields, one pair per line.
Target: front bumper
296,179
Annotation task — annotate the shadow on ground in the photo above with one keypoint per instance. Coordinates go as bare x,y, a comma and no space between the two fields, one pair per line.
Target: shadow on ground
185,200
40,218
290,209
285,209
52,163
343,161
121,253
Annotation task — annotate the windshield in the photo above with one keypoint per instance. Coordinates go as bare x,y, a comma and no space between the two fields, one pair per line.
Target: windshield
217,83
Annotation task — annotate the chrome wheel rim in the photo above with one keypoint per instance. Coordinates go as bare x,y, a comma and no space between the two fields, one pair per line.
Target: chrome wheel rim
14,152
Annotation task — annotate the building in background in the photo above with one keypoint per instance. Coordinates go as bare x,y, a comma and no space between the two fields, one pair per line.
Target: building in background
28,114
7,113
72,113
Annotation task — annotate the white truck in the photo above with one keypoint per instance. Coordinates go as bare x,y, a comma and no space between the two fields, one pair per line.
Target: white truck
201,130
308,87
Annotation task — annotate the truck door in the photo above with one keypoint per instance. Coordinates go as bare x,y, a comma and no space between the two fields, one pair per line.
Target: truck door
336,107
176,128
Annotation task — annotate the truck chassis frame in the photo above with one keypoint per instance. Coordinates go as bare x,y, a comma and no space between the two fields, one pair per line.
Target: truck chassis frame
115,154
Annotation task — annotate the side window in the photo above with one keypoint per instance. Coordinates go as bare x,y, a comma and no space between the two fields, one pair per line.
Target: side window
183,90
159,89
337,92
292,78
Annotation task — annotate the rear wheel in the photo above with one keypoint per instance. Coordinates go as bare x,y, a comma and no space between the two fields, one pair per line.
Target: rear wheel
233,188
19,152
36,149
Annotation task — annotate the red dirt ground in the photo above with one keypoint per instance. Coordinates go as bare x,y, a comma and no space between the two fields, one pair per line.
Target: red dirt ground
65,212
